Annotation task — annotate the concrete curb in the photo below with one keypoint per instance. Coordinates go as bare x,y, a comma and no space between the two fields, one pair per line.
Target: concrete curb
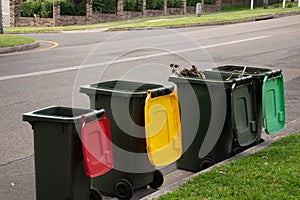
23,47
266,17
291,127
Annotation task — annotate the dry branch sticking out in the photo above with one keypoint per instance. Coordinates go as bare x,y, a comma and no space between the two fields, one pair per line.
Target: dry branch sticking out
191,73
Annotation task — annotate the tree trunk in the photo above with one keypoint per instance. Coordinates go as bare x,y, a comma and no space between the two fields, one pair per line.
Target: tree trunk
1,21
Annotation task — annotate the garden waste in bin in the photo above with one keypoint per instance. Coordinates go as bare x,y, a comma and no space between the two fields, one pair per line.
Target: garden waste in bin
137,147
269,95
58,151
210,110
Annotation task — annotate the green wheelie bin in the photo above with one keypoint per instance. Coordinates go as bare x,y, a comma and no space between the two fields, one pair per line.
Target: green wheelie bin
211,109
269,96
124,103
59,163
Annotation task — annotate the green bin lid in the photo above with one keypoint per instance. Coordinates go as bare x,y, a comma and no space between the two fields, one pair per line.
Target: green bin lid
273,103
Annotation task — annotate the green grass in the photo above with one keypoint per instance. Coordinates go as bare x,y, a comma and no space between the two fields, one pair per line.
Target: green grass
59,28
12,40
273,173
209,17
227,14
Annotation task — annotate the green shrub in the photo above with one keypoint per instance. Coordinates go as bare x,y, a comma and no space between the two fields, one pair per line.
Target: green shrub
174,3
46,9
105,6
210,2
289,5
73,8
155,4
133,5
43,9
192,2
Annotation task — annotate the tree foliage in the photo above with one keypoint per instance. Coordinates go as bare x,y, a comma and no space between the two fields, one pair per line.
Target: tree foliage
73,7
174,3
194,2
133,5
105,6
155,4
31,8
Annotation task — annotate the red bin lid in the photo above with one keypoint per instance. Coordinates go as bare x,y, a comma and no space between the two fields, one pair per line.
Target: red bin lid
96,146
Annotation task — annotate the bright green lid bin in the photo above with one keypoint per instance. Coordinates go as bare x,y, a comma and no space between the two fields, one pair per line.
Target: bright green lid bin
273,102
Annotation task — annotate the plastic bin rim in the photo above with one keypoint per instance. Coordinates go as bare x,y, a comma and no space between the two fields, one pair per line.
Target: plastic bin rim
33,116
259,75
177,79
90,90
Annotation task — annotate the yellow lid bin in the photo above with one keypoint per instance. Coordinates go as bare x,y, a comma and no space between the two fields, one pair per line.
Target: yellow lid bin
163,131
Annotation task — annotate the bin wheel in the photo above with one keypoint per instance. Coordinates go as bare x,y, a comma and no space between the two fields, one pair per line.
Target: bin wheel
158,180
95,194
206,163
237,150
123,189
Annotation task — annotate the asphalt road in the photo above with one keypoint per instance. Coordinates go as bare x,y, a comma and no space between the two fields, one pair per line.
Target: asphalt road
52,76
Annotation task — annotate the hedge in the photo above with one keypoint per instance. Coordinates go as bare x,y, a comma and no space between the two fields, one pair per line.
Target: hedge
32,8
105,6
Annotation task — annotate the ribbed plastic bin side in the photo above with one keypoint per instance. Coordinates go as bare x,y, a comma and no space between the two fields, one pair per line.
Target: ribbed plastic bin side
216,101
124,103
59,169
259,82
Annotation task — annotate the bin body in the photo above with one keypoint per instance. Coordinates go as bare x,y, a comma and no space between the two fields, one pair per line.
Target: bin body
214,94
59,170
258,75
258,78
124,103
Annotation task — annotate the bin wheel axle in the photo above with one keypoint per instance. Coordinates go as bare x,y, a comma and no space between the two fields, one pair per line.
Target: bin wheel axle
95,194
123,189
158,180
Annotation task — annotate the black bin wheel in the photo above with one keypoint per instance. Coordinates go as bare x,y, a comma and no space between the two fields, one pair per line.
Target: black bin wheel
95,194
237,150
206,163
158,180
123,189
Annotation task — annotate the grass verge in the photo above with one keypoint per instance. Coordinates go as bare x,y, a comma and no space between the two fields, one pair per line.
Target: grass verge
227,14
208,18
272,173
13,40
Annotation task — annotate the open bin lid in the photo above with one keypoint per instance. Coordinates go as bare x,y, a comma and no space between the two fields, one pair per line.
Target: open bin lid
242,108
163,131
273,102
96,145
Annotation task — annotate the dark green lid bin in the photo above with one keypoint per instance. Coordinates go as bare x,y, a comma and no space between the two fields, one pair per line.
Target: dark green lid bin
208,121
59,169
124,103
267,101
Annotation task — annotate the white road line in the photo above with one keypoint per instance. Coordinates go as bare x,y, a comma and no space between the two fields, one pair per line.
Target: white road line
127,59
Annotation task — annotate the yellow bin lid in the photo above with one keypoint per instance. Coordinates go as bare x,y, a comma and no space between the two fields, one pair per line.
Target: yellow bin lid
163,131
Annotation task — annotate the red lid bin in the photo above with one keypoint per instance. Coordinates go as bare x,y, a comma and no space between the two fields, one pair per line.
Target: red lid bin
96,145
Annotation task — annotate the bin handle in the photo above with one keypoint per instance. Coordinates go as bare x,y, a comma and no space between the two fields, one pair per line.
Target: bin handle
92,116
273,73
242,80
160,91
